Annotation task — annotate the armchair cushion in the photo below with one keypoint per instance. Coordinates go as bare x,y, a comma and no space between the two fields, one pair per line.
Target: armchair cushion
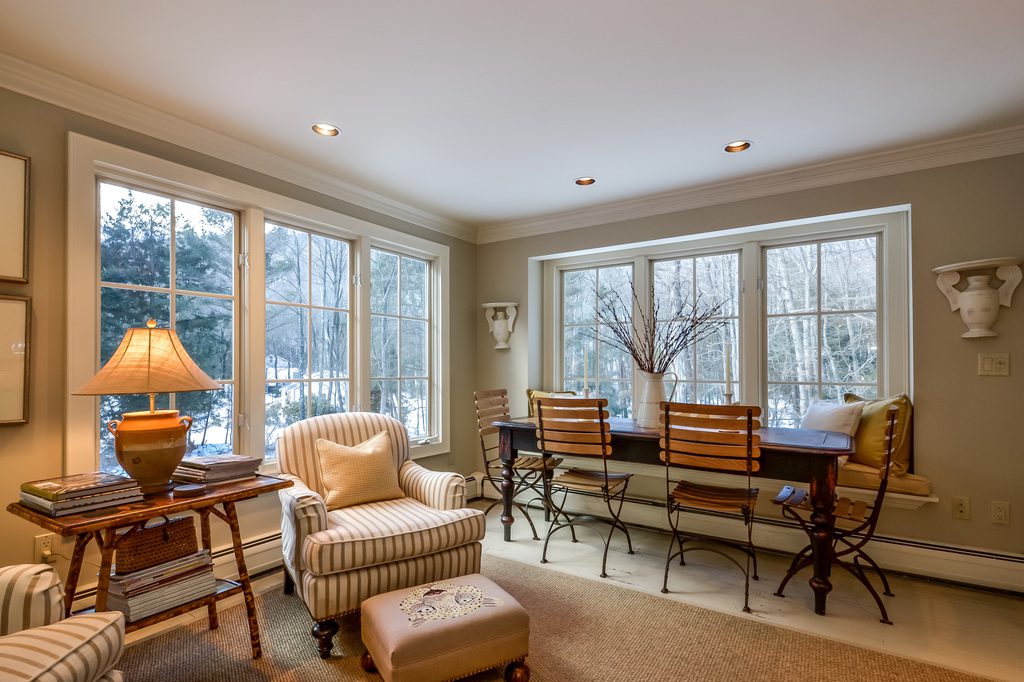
30,595
303,513
356,474
79,649
382,532
437,489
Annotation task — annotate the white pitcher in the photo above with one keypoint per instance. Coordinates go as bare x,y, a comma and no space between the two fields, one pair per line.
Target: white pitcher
652,393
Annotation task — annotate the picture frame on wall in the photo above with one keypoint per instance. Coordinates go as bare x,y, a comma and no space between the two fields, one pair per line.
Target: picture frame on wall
15,343
14,193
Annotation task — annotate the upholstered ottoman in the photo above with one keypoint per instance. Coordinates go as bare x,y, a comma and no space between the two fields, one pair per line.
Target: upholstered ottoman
445,630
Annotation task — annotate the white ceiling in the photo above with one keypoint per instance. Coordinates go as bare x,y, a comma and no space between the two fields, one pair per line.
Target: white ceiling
484,112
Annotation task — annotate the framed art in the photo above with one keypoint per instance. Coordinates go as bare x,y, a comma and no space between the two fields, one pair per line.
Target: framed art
15,328
14,179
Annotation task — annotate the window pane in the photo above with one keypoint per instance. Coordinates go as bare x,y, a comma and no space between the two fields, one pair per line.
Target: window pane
836,392
711,353
578,301
684,392
213,420
718,282
787,403
287,344
414,287
205,327
383,282
613,363
850,348
619,395
287,254
575,341
135,237
673,285
330,272
849,274
384,397
792,279
330,344
413,361
793,348
284,403
204,248
121,309
383,346
711,394
414,407
615,289
329,397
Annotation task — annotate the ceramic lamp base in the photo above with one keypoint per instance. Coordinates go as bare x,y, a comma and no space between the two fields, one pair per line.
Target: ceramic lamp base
149,446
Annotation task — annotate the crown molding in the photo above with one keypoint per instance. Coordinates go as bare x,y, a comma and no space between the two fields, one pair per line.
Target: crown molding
918,157
49,86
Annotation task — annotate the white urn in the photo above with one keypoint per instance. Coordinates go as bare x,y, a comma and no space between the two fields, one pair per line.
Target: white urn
501,320
979,303
979,307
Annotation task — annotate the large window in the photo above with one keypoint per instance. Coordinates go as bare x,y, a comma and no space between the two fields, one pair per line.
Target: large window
307,323
400,340
173,261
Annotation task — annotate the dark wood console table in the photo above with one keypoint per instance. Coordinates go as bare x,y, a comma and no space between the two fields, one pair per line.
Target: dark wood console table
102,525
786,454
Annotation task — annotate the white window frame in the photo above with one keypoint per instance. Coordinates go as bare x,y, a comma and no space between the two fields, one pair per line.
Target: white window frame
90,159
892,224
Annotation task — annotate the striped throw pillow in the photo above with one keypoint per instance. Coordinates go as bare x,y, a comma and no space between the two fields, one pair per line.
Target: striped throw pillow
358,474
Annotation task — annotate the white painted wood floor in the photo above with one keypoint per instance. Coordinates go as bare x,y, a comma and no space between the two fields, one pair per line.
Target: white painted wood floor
970,630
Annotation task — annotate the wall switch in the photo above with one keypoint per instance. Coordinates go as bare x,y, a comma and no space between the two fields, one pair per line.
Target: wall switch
1001,513
993,364
961,508
44,548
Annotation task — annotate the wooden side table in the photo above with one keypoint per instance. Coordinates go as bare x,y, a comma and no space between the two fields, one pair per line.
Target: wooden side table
102,525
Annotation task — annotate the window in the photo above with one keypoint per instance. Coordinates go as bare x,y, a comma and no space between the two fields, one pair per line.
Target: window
307,328
803,305
172,261
822,324
400,340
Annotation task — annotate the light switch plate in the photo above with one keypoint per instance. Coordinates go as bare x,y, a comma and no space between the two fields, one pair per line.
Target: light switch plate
994,364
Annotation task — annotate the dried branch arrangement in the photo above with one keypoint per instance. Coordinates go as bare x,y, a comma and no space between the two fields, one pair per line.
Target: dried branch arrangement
654,345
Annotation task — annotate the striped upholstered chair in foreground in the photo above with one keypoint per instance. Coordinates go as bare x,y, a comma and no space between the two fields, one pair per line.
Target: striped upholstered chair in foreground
340,548
38,643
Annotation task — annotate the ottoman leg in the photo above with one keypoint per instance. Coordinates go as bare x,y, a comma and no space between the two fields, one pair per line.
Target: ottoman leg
366,661
323,633
517,671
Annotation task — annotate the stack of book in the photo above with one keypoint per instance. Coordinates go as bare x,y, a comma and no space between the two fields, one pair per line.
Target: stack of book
216,469
79,493
163,586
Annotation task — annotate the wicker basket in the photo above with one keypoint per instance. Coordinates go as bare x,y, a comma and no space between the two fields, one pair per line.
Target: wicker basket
142,548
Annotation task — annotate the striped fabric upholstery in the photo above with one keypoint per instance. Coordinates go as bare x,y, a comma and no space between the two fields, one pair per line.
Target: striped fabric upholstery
340,593
303,513
382,532
80,649
437,489
30,595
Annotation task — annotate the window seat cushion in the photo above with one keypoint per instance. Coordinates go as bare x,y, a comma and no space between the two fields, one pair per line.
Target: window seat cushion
855,475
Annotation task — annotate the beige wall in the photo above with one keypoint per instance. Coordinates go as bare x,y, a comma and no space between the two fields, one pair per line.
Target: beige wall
35,450
965,436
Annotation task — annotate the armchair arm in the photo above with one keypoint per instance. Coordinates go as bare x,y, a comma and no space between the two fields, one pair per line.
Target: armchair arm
438,489
303,513
83,648
31,595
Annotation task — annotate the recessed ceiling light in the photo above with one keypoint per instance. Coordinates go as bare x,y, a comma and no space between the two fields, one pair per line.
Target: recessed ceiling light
583,182
325,129
737,146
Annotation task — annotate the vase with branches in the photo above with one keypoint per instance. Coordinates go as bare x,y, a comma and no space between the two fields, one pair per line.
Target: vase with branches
654,338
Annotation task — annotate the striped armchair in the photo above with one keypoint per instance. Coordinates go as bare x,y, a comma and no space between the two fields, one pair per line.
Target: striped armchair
37,643
336,559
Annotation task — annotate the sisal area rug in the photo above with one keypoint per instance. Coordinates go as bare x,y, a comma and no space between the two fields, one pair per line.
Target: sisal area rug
581,630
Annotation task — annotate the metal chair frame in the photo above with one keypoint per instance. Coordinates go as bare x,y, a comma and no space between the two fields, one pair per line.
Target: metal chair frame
848,541
704,442
572,433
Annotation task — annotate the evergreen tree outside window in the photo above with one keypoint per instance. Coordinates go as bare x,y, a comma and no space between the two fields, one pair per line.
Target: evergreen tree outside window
173,261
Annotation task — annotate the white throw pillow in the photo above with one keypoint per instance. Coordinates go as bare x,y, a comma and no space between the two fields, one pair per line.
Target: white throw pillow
839,417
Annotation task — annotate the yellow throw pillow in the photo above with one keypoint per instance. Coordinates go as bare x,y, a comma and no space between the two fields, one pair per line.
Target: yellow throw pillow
870,439
357,474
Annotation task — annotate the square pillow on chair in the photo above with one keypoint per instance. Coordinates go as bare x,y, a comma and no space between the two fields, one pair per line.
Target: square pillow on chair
357,474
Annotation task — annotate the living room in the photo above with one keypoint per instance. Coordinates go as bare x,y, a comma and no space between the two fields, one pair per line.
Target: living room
462,132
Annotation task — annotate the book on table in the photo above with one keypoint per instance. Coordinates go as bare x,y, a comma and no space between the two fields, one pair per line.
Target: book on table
76,505
216,468
77,485
161,587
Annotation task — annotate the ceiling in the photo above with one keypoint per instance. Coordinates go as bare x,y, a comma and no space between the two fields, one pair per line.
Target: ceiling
485,112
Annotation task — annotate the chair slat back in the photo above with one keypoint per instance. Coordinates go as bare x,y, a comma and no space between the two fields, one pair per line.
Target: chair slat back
491,406
889,442
715,437
573,426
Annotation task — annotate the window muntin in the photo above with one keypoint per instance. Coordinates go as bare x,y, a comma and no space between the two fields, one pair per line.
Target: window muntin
307,315
821,302
401,342
172,260
710,280
608,371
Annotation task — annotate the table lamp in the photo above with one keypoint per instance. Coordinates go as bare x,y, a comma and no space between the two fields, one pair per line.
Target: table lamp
149,445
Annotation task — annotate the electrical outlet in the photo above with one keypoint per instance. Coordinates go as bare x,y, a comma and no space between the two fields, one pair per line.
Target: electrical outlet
1001,513
961,508
44,548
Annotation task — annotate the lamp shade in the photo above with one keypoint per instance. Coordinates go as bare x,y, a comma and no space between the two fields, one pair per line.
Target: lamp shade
149,360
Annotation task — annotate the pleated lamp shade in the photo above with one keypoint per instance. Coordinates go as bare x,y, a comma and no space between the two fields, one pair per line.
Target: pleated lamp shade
149,360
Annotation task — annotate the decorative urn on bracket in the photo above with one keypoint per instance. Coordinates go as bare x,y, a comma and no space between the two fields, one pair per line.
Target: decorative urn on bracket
501,318
979,302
